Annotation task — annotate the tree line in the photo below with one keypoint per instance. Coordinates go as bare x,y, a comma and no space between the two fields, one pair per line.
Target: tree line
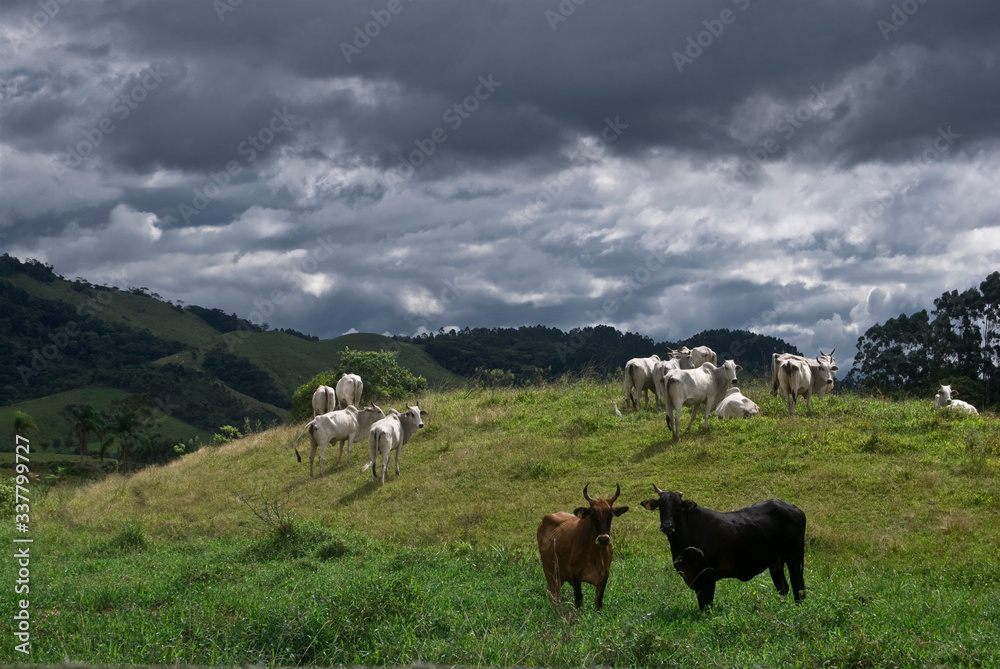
531,353
956,343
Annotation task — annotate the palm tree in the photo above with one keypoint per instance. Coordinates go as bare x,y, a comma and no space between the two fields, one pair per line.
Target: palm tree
88,422
23,423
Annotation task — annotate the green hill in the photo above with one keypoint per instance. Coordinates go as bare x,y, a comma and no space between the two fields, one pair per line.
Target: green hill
234,556
71,343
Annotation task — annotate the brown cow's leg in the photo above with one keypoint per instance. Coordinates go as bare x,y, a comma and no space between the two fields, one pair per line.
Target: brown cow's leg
577,593
599,597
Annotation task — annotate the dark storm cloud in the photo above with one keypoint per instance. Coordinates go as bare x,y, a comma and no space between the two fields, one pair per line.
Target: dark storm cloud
803,168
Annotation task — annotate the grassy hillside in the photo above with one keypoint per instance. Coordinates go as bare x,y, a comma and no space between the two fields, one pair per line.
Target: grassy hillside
54,420
233,555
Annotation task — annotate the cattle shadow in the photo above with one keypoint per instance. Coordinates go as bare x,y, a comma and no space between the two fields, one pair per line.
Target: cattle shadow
362,491
654,449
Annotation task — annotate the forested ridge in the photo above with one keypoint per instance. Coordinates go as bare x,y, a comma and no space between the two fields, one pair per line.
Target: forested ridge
956,343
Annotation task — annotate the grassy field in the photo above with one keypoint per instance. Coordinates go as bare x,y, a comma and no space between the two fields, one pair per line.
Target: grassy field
233,555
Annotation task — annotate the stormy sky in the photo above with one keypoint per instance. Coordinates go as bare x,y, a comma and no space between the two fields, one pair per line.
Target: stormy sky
802,169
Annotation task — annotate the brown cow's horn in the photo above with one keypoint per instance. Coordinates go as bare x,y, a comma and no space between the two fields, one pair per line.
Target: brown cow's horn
585,495
618,491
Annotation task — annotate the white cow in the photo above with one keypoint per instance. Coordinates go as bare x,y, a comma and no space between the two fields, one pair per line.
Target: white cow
693,358
639,375
660,370
797,376
736,405
778,358
350,425
693,387
324,400
392,433
944,399
349,389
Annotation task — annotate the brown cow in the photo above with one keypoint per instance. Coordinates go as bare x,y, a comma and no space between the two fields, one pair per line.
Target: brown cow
576,547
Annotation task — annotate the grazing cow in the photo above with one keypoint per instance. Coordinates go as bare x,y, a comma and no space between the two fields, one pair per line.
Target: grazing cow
576,547
392,433
736,405
944,399
639,375
778,358
693,387
708,546
804,377
342,425
324,400
349,389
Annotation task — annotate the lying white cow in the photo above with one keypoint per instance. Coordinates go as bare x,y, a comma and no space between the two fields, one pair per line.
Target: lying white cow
639,375
800,377
736,405
391,433
349,389
944,398
324,399
342,425
706,385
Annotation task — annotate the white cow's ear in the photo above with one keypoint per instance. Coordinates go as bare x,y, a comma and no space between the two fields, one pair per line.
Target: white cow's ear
423,413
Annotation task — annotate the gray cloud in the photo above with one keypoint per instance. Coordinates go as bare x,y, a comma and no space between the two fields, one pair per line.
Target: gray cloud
804,169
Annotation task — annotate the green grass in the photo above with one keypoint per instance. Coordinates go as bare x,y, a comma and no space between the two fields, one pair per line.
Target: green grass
169,566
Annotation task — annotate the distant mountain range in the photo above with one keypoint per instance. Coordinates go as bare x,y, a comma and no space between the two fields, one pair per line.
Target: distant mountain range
70,343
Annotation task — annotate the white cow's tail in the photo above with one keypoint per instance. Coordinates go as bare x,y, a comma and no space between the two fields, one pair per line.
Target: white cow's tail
792,371
667,380
295,442
628,387
369,465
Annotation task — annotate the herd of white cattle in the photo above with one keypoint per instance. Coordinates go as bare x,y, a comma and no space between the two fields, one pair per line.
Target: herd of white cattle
694,378
688,378
336,418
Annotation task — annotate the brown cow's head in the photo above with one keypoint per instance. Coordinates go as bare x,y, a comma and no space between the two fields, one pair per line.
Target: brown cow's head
670,505
601,512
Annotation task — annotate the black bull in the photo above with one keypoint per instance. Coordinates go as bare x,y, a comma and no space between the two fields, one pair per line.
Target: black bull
710,545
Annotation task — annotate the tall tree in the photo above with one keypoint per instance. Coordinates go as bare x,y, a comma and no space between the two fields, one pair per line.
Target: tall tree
896,355
130,427
87,422
990,289
23,423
